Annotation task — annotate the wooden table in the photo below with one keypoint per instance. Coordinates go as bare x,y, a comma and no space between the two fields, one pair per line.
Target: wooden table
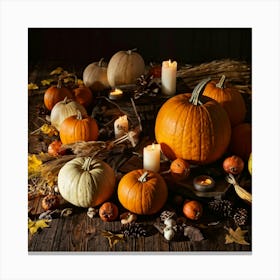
79,233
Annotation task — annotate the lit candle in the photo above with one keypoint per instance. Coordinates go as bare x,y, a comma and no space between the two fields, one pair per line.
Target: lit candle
151,157
115,94
121,126
168,77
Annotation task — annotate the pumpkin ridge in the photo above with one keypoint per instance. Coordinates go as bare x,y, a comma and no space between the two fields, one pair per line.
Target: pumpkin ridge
184,132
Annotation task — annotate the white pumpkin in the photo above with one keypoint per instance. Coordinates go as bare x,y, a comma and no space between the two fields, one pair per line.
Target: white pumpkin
86,182
125,67
63,110
95,76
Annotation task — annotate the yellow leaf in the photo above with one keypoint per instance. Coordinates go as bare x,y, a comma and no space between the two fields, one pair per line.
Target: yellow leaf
113,238
49,130
236,236
68,80
47,82
80,82
33,165
32,86
57,71
34,226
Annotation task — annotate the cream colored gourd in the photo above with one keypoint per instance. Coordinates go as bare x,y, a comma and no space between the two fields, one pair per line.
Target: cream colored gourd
125,67
63,110
86,182
95,76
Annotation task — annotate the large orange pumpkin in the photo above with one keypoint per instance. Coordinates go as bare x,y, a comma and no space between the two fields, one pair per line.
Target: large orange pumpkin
193,127
241,141
142,192
78,128
229,97
54,94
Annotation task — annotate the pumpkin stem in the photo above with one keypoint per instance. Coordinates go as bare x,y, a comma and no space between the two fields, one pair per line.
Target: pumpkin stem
133,50
100,62
59,83
79,115
86,164
197,92
143,177
220,84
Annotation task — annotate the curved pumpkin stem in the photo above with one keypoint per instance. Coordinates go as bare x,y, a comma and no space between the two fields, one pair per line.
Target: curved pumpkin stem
221,83
86,164
143,177
197,92
59,83
79,115
130,51
100,62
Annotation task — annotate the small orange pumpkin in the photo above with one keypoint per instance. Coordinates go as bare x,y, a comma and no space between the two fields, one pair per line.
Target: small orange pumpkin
193,209
142,192
230,99
180,169
193,127
108,212
241,141
78,128
55,94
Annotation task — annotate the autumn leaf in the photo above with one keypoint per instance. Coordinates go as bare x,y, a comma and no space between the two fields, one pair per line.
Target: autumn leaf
34,165
34,226
236,236
80,82
68,80
113,238
57,71
32,86
47,82
49,130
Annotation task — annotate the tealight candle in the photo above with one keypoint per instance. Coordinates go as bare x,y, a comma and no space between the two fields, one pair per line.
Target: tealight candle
115,94
121,126
168,77
203,183
151,157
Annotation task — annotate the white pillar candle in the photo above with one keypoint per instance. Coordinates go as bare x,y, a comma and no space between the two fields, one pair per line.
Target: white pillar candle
151,157
121,126
168,77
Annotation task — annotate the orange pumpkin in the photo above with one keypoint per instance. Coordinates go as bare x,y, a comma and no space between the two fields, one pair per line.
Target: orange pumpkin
78,128
193,127
83,95
193,209
241,141
229,97
142,192
180,169
55,94
108,212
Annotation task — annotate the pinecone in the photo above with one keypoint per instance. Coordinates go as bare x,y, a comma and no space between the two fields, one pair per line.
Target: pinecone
240,217
221,207
146,85
134,230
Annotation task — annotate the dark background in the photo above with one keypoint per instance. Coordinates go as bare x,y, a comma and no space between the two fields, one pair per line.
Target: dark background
81,46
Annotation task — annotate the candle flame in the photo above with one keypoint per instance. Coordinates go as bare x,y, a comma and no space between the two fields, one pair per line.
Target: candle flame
169,62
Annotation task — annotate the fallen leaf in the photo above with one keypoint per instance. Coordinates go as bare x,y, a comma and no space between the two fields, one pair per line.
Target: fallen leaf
68,80
80,82
32,86
47,82
34,165
57,71
236,236
49,130
113,238
34,226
